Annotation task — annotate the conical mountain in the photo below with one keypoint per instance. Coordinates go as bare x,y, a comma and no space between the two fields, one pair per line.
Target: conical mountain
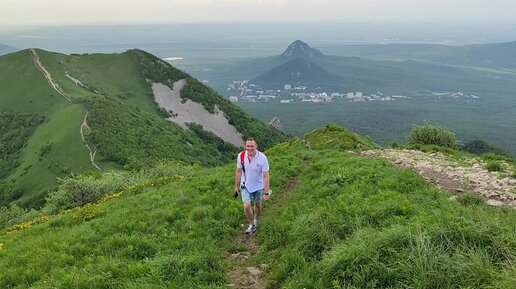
299,49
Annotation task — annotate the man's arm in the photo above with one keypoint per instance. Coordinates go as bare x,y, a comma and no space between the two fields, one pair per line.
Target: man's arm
266,184
238,175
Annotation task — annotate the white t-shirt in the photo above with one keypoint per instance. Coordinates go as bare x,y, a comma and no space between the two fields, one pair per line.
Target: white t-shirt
253,176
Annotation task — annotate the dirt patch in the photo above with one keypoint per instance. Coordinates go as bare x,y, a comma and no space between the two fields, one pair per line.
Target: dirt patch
241,272
443,181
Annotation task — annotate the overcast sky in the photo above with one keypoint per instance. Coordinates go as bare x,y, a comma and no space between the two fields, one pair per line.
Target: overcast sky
66,12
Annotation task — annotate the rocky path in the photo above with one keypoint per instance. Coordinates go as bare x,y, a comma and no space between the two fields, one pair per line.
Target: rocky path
93,152
47,75
242,272
450,175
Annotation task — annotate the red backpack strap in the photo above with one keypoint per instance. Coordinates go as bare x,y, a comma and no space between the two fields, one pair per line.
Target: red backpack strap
242,156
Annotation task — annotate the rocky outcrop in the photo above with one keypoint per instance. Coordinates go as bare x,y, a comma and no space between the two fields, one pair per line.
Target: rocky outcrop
451,175
276,123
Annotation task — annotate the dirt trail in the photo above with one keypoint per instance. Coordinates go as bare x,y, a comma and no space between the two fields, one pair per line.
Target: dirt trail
84,125
47,75
467,176
58,89
242,272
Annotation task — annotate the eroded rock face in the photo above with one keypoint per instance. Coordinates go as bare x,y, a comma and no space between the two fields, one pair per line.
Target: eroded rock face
452,176
193,112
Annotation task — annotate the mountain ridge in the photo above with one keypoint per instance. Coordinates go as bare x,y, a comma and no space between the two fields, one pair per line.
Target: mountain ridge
130,130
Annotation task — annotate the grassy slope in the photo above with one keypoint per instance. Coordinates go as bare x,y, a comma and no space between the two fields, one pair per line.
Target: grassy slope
375,226
165,237
116,76
335,137
351,223
68,153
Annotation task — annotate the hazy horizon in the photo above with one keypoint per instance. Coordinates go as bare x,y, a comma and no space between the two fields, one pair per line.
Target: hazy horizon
60,12
112,38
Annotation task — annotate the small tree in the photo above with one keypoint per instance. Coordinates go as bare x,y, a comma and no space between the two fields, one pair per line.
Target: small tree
429,134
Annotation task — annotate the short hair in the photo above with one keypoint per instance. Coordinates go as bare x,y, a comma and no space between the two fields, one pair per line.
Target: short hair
252,139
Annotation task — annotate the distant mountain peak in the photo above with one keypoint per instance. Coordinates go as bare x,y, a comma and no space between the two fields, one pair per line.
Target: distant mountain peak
299,49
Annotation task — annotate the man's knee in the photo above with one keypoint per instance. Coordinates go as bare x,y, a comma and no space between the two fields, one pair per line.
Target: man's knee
247,206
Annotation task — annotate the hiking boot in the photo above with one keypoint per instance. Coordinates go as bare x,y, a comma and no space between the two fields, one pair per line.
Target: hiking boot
251,229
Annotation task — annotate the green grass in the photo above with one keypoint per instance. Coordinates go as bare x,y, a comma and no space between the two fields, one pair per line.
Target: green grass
15,129
166,237
335,137
351,222
362,223
494,166
36,174
24,88
115,76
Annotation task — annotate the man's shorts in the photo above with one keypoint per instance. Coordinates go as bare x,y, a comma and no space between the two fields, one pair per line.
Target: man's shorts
255,197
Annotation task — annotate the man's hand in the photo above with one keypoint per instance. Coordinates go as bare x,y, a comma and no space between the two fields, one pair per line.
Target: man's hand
266,197
236,192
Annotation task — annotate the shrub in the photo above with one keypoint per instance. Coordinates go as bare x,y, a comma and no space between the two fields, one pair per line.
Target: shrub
494,166
479,147
429,134
470,199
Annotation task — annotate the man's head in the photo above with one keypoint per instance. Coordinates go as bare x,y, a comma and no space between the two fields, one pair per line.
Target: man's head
251,146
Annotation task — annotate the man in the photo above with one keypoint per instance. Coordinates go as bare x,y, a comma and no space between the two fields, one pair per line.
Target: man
251,180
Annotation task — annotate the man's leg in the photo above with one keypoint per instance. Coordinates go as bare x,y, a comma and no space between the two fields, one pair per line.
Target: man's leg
257,196
257,213
246,199
248,212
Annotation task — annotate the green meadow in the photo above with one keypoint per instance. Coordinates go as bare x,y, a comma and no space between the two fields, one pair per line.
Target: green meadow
336,220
